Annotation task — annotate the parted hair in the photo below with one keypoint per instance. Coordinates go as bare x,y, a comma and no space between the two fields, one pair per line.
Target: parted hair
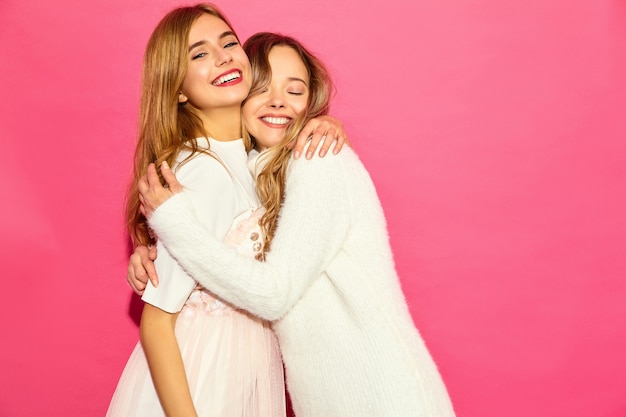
165,126
270,181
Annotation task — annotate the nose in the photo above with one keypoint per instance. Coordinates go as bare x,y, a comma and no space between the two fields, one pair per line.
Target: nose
276,100
222,58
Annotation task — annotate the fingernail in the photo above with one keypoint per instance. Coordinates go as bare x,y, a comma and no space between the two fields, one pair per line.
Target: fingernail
165,164
309,155
322,153
296,154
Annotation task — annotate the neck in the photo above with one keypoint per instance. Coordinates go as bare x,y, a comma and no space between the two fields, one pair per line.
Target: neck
223,124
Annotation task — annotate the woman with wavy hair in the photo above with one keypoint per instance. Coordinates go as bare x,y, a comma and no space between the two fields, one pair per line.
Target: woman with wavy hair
328,285
198,354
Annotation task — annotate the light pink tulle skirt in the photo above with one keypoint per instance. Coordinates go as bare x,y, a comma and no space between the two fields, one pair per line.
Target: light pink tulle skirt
231,358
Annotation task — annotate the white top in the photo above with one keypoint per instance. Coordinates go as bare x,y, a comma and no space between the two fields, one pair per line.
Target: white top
349,344
216,196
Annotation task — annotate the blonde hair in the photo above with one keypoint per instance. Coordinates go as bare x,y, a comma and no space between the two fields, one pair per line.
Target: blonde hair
270,182
165,126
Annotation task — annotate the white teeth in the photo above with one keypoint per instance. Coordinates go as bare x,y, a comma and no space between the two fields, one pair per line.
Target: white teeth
276,120
226,78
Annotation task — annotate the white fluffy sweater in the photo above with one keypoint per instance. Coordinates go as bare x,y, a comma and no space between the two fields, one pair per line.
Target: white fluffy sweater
329,284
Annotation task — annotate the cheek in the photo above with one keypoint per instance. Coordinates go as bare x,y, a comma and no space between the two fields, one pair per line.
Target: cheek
189,81
251,122
245,66
300,105
247,112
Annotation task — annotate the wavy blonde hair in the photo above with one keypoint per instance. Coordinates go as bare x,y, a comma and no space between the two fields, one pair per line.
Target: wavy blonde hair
270,182
165,126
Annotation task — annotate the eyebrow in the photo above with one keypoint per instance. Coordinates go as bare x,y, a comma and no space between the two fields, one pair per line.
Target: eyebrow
298,79
202,42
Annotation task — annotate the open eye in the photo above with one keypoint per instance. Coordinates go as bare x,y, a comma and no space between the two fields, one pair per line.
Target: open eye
231,44
199,55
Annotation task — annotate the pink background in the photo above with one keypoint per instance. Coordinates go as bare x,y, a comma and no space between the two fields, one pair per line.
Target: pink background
495,132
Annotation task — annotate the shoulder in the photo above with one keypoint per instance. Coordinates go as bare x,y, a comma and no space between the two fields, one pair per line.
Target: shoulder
200,163
330,168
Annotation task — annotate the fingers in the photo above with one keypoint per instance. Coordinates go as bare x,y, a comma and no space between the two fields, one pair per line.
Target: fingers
328,138
314,133
152,176
133,277
340,140
152,252
142,185
151,271
319,135
142,207
149,265
151,193
321,132
302,139
131,283
141,269
170,178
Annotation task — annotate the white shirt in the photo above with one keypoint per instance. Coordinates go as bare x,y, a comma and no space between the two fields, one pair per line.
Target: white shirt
216,196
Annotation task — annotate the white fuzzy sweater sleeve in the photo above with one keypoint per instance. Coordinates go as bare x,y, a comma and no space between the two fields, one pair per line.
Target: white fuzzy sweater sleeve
312,226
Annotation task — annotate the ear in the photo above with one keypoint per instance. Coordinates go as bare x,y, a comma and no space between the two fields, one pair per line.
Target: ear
182,98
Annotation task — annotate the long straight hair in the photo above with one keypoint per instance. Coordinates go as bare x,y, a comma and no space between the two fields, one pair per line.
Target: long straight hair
270,182
165,126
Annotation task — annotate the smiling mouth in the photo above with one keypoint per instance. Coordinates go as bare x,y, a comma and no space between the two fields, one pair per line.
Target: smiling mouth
235,75
276,120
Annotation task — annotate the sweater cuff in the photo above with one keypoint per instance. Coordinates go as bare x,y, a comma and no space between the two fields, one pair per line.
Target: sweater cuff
175,211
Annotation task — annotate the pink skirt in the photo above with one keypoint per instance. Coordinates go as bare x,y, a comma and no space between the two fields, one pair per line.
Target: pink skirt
232,361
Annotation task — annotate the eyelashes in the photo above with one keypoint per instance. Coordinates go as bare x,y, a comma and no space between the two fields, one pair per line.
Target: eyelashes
228,45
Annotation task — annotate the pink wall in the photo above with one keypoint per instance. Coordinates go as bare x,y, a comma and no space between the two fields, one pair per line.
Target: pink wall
495,132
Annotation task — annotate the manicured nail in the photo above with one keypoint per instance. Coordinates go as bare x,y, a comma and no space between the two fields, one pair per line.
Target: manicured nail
309,155
296,154
322,153
165,165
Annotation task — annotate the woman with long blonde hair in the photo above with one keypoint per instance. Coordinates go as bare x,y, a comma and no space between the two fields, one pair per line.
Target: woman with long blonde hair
329,285
198,355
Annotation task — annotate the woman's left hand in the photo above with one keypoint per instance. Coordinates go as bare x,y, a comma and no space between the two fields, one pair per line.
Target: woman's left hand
151,193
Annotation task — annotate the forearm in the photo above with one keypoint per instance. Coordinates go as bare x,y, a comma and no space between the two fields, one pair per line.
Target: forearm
240,280
312,226
165,362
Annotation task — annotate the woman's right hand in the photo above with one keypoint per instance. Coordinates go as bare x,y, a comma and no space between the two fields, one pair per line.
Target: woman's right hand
141,269
316,132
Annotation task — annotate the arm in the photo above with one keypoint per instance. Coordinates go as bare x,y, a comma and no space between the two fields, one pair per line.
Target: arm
208,187
164,359
208,191
141,263
313,224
